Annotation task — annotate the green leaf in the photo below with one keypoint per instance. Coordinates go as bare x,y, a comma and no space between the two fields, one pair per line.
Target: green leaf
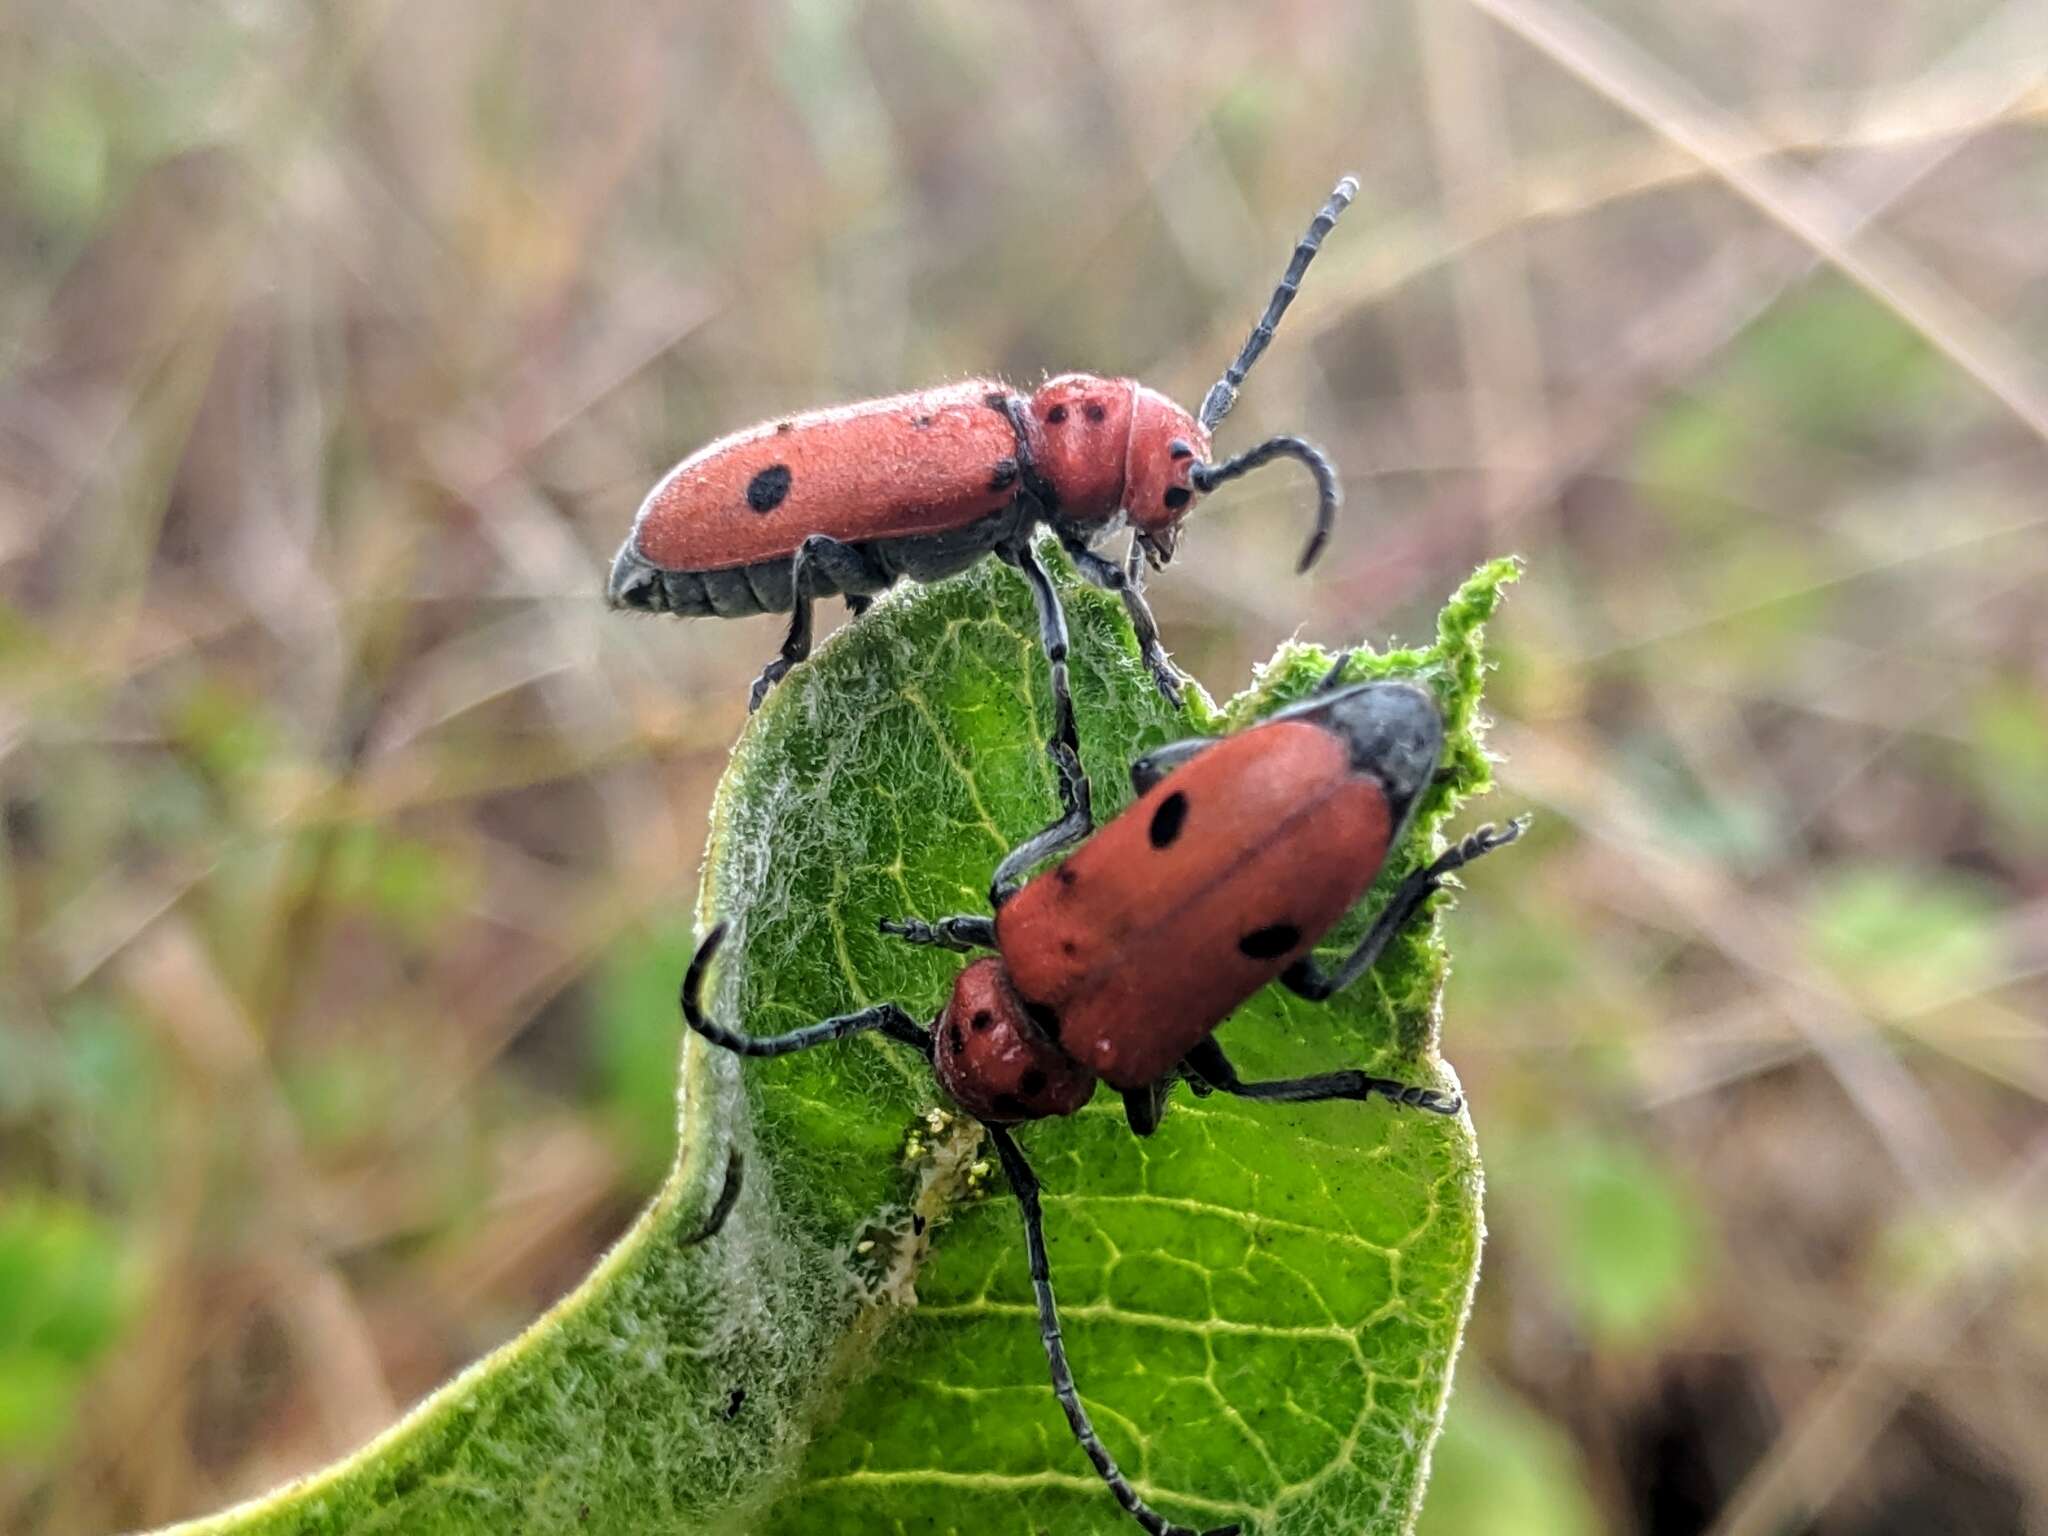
1262,1302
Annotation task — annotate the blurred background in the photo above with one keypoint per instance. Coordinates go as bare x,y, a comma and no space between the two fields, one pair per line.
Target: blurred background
349,843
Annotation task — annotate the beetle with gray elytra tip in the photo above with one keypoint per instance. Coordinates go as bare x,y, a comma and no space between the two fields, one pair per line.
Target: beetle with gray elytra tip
922,485
1119,963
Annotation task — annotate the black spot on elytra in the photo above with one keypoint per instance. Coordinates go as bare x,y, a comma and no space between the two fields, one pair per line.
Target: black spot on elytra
1093,410
1166,821
955,1039
1069,947
785,426
1045,1018
1009,1106
735,1400
1033,1083
1003,476
1269,943
766,490
1056,415
1064,875
1179,449
1178,496
982,1020
920,421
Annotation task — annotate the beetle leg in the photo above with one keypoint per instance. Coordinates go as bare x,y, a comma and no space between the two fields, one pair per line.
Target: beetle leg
1024,1184
1077,813
1208,1063
1076,824
1308,980
963,935
858,604
1145,1107
886,1017
1160,761
1334,678
1052,635
847,564
1110,576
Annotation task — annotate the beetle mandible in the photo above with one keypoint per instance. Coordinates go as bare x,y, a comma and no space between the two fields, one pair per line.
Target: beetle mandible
847,500
1119,963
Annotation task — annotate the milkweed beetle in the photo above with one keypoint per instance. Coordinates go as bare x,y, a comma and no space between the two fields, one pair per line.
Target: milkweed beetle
1118,964
922,485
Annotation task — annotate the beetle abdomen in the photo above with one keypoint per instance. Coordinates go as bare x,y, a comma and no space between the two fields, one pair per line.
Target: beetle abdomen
1201,892
908,465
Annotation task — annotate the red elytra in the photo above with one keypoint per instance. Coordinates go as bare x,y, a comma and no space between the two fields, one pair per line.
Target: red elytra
1209,886
848,500
1119,963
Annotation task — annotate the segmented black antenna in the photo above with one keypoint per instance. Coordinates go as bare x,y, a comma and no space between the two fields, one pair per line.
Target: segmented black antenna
1329,494
1223,395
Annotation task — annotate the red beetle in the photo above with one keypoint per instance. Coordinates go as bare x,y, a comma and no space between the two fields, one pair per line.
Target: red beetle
1119,963
847,500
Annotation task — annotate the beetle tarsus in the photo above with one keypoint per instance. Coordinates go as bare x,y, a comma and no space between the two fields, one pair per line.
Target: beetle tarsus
846,564
1111,577
1206,1063
1024,1185
1306,979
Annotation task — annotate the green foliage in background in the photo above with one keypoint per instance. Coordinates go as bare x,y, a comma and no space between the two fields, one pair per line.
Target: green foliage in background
63,1299
1262,1303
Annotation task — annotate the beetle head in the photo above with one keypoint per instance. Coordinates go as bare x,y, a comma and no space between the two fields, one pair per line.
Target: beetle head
1166,444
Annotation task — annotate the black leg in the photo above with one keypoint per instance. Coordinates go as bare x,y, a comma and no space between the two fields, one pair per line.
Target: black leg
962,935
1052,635
857,604
1075,823
1207,1063
1145,1107
1025,1185
849,562
1307,979
1160,761
1111,577
1334,678
886,1017
1077,813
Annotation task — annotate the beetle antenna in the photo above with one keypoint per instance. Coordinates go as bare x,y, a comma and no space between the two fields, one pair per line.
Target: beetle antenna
1223,395
886,1017
1329,494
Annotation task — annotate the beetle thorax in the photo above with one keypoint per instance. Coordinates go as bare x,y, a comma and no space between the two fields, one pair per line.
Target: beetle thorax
1081,433
994,1061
